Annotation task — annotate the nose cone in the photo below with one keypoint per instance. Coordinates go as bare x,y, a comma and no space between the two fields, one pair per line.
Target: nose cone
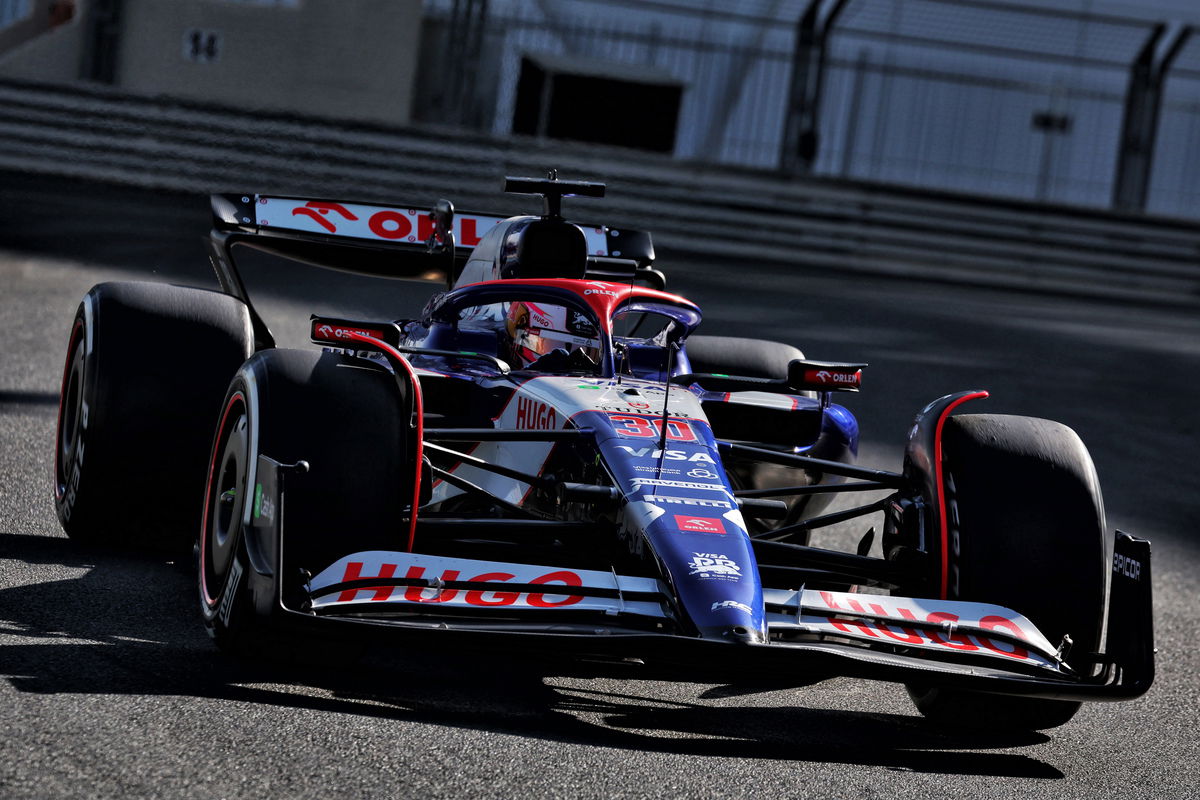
736,634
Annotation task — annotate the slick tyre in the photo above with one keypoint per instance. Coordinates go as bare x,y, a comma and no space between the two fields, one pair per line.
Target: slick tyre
146,366
754,358
735,355
343,417
1027,531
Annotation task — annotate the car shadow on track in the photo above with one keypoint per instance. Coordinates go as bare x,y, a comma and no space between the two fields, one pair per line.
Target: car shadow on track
15,400
127,625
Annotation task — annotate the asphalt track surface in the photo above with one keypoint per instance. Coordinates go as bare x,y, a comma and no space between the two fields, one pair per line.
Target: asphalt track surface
109,686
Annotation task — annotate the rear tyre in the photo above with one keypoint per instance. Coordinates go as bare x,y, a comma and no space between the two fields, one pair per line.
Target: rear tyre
146,367
344,417
1027,531
754,358
735,355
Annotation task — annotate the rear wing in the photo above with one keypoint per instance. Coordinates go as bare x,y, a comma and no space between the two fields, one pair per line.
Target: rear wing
387,241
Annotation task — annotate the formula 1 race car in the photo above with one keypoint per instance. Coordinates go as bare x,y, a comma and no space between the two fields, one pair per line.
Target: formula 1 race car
549,460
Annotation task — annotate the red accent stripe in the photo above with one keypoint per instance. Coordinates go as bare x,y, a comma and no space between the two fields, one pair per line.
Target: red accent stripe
604,305
940,487
419,411
208,598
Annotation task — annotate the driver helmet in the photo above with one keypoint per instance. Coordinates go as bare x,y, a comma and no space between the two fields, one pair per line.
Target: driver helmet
535,330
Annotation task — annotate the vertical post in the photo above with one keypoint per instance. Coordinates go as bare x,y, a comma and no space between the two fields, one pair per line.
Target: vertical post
850,141
450,71
545,102
461,61
99,62
818,82
801,123
1139,126
791,158
1053,126
471,63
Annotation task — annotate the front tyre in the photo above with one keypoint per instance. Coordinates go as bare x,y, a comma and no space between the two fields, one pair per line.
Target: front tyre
225,601
343,416
1027,531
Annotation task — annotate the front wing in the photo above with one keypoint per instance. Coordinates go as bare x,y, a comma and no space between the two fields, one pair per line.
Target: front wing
609,620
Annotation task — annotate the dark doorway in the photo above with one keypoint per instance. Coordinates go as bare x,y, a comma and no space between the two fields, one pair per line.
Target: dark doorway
621,105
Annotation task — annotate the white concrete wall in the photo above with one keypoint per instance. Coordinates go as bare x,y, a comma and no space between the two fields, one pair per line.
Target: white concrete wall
345,59
352,59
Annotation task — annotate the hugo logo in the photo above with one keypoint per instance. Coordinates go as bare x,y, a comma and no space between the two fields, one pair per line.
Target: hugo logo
436,593
948,637
532,415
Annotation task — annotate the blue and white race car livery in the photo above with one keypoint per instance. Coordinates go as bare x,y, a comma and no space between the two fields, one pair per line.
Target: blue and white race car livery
551,460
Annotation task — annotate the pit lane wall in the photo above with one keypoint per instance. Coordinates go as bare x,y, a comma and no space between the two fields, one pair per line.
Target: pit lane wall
262,52
746,215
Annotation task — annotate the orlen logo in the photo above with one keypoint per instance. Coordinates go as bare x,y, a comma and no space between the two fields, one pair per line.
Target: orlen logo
474,597
386,223
338,333
699,524
532,415
319,213
824,376
599,288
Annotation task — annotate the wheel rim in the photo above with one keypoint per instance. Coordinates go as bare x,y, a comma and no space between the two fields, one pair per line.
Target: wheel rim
225,498
70,414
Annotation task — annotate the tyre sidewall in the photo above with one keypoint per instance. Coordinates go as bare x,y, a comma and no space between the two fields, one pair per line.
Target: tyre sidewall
1026,531
150,364
229,617
1027,528
338,415
75,409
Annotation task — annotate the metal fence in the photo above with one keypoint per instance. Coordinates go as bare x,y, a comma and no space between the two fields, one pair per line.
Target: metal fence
1028,105
977,96
100,134
735,67
1175,183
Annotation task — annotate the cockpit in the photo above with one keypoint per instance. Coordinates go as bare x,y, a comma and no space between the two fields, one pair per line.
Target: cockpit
563,327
